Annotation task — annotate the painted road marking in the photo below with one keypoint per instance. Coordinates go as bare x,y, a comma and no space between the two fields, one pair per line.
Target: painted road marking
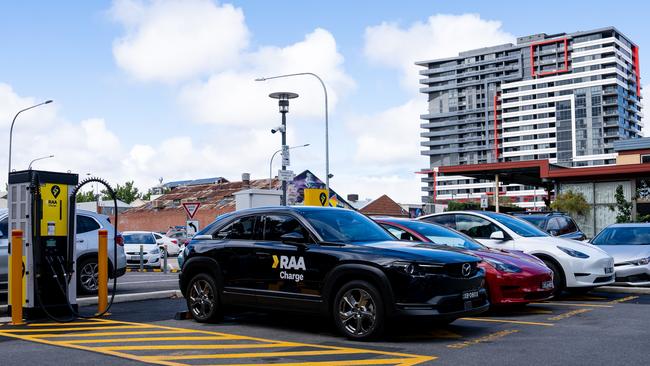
575,304
492,320
141,338
569,314
624,299
484,339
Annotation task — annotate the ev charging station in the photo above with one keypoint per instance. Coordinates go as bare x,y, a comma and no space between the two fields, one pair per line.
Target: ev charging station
41,205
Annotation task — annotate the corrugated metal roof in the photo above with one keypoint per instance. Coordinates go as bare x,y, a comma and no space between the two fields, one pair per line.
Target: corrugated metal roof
640,143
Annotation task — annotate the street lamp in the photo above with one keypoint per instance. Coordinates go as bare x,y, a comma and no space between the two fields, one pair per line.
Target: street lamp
271,163
327,148
283,103
37,159
11,130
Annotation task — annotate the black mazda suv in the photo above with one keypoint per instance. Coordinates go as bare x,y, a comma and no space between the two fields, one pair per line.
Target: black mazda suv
330,261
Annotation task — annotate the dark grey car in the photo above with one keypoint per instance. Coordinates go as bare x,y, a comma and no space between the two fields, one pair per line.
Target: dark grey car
555,223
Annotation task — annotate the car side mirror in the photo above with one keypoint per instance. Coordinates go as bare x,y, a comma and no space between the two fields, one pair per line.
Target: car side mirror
202,237
497,235
554,232
293,238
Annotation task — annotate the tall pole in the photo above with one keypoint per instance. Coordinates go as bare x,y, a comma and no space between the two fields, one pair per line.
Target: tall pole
11,129
284,143
271,163
496,192
327,141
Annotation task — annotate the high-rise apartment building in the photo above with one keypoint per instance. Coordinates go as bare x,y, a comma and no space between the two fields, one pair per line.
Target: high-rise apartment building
562,97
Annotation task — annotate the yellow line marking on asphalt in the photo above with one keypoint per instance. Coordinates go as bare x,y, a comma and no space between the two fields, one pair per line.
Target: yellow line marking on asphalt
72,328
624,299
100,334
256,354
379,361
484,339
491,320
150,347
574,304
569,314
93,322
148,339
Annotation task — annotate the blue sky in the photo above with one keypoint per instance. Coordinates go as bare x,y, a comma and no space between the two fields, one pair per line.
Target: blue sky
65,51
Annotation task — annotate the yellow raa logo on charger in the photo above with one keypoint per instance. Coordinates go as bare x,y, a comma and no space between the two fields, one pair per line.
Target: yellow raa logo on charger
286,262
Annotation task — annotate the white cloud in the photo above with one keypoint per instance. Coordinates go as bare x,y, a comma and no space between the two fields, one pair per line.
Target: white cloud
174,40
442,35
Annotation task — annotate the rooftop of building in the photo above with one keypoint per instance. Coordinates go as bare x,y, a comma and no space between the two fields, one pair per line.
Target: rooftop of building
632,144
195,182
384,206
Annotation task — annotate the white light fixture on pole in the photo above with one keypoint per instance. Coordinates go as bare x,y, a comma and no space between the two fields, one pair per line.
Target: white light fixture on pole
327,151
271,163
11,129
37,159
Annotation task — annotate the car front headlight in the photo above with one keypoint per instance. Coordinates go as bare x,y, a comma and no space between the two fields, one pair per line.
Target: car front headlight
416,269
155,250
501,266
573,253
642,261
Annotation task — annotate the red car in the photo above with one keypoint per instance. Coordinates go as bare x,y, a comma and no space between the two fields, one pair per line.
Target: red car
512,277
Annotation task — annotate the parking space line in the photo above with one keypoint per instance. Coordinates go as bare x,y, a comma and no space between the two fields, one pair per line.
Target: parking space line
575,304
624,299
492,320
186,339
569,314
483,339
381,361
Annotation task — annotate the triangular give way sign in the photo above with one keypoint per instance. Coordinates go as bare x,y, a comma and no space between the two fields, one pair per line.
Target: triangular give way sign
191,208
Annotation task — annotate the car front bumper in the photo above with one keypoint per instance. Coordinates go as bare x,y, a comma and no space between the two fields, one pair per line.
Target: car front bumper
633,275
517,288
444,307
589,273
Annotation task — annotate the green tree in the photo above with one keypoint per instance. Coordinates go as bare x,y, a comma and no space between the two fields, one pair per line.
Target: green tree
460,206
126,193
623,207
86,196
573,203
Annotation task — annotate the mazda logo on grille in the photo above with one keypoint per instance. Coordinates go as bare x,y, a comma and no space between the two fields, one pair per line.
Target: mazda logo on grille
466,270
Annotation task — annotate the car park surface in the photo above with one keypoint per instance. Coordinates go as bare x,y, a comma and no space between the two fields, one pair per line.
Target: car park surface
576,265
512,277
629,244
330,261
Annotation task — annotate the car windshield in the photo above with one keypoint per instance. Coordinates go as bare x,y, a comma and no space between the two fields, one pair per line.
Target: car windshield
535,220
441,235
339,225
639,235
138,239
519,226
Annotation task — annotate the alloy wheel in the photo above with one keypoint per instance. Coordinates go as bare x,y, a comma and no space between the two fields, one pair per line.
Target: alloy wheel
357,312
201,299
88,276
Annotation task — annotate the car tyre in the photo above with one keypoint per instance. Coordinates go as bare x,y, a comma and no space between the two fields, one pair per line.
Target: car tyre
203,299
558,278
358,311
87,276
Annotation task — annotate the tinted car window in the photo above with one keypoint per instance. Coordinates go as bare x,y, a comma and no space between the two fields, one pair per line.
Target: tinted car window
158,236
623,236
345,226
475,227
540,222
86,224
443,236
399,233
240,229
554,224
444,220
569,226
277,225
4,227
519,226
139,239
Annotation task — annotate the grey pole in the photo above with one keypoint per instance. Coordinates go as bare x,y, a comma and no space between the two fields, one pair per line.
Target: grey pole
283,103
284,143
271,162
327,143
11,129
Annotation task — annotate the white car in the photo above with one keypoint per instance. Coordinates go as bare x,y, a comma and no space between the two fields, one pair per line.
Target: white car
133,241
172,244
576,265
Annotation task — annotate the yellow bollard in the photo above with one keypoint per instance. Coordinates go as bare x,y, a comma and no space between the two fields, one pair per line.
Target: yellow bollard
102,275
16,285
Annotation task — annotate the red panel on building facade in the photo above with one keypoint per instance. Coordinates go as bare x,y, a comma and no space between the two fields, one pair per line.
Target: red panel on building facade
533,69
637,71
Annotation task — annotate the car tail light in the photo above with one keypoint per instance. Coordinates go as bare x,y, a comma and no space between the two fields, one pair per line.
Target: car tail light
120,240
175,241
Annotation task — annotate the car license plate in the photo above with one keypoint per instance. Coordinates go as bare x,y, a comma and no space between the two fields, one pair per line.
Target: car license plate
546,285
134,257
609,270
469,295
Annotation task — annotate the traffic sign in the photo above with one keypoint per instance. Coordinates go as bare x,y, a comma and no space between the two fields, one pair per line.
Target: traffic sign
191,208
484,201
286,161
192,227
285,175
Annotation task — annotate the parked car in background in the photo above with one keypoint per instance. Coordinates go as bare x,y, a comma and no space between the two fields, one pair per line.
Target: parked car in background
133,240
577,266
172,244
180,235
330,261
629,244
555,223
512,277
88,225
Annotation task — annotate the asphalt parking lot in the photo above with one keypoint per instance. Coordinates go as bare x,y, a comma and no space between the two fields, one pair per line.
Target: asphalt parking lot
593,329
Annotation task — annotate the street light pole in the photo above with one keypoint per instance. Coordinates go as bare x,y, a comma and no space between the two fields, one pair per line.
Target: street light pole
37,159
11,129
327,144
283,103
271,163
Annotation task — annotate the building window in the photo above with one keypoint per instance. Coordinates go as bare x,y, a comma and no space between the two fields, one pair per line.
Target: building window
645,159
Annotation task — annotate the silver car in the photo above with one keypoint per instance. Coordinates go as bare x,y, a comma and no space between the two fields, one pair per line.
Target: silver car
88,224
629,244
